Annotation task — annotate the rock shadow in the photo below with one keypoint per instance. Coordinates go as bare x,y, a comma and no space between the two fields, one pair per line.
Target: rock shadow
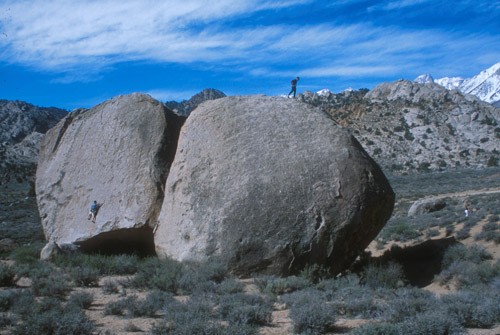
138,241
422,262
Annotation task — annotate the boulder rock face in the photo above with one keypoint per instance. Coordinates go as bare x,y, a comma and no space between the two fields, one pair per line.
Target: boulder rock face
117,153
269,185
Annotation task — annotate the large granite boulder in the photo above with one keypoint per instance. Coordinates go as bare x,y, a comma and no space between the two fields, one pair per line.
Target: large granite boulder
268,185
117,153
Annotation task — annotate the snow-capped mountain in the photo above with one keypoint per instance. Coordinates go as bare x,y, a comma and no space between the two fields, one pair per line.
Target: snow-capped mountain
424,79
485,85
452,83
323,92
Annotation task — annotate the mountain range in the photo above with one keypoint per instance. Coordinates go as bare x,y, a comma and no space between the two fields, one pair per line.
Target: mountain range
485,85
426,124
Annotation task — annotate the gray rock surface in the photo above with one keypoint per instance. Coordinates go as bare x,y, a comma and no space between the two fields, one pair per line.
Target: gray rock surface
117,153
269,185
406,126
21,128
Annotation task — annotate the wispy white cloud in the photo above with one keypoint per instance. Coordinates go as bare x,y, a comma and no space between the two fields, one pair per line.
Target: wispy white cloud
62,33
398,4
81,39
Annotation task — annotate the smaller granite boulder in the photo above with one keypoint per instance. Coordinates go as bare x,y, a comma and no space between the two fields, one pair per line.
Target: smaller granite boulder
118,154
426,206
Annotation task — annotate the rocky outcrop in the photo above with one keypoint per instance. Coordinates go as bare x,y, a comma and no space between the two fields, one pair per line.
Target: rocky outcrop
21,128
406,126
117,153
269,185
185,107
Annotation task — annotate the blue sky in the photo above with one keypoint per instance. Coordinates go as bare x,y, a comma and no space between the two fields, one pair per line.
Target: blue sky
72,54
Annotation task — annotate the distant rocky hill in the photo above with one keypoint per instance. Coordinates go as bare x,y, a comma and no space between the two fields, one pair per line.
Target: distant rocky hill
21,127
184,108
485,85
407,126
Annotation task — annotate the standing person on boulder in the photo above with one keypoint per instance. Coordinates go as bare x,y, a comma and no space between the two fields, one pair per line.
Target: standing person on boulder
294,87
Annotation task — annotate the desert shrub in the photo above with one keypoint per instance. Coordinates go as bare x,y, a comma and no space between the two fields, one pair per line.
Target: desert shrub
310,312
359,301
241,308
148,306
399,230
334,284
490,232
202,277
196,316
198,326
7,299
24,303
460,252
289,284
133,307
430,323
230,286
474,309
467,266
7,275
389,275
53,286
27,254
132,328
409,302
5,320
160,274
103,264
468,274
463,233
382,328
117,307
314,273
110,287
85,277
82,300
51,318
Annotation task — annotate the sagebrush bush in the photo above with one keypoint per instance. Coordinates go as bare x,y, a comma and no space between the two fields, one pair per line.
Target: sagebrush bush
103,264
7,275
460,252
433,322
53,286
408,302
389,275
203,277
27,254
474,309
230,286
284,285
110,287
82,300
375,328
248,309
7,299
49,317
490,231
310,312
160,274
85,277
468,274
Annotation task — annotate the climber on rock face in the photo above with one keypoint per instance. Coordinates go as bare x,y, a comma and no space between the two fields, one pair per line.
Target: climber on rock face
94,208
